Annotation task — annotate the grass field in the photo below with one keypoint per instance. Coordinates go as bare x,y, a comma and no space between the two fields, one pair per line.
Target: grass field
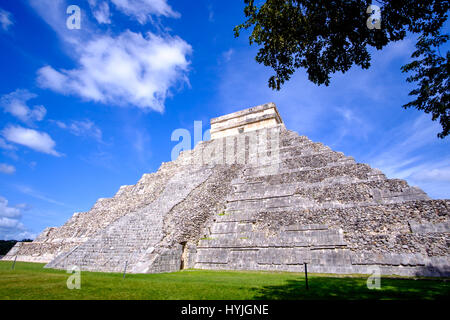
32,281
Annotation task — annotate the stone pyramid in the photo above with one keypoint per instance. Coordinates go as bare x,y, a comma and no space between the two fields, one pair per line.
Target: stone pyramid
255,197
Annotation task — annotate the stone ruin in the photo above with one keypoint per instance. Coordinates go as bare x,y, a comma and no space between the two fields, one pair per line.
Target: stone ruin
255,197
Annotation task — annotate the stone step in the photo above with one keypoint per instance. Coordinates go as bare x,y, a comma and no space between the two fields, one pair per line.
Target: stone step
307,148
310,175
310,161
296,208
227,150
230,227
264,190
392,190
306,238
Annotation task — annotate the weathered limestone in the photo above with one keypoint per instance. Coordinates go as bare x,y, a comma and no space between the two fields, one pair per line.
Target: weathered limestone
263,116
256,197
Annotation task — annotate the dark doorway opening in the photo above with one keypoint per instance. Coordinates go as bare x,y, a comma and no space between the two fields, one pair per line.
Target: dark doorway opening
183,255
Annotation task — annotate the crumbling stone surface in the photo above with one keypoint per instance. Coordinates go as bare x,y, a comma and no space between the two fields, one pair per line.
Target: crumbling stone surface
186,221
377,228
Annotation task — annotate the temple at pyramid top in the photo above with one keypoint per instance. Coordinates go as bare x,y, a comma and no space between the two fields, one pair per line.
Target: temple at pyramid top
255,118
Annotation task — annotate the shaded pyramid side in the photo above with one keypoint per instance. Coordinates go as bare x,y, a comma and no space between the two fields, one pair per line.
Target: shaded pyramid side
325,209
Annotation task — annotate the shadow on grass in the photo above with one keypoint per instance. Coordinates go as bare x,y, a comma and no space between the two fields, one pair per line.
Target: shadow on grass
354,289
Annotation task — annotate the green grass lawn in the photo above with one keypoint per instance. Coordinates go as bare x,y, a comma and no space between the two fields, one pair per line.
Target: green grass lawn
32,281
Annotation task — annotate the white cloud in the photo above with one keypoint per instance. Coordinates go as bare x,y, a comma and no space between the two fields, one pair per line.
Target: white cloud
39,195
227,55
404,152
436,174
5,145
6,168
54,13
15,103
127,70
141,10
85,128
5,19
36,140
6,211
349,122
400,147
141,141
10,225
23,206
22,235
100,10
210,13
50,78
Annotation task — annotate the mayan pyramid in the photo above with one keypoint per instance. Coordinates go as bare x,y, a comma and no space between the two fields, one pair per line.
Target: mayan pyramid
256,196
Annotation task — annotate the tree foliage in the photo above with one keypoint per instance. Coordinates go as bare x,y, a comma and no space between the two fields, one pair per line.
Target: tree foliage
432,74
326,36
6,245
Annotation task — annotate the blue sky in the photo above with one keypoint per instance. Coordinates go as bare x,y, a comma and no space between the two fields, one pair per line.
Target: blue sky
86,111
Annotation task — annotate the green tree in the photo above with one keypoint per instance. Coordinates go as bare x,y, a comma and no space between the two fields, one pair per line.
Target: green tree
327,36
432,74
